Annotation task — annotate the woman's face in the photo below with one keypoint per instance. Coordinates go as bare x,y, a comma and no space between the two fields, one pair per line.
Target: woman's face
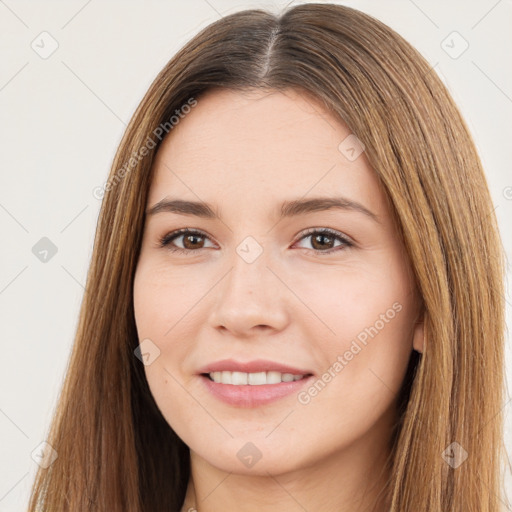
258,292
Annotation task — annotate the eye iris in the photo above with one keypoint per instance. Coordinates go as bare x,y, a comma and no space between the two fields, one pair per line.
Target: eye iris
321,236
321,241
187,238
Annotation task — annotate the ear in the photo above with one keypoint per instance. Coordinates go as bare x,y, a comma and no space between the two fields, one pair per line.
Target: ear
418,340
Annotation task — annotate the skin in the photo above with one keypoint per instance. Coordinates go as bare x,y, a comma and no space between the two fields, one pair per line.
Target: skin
245,153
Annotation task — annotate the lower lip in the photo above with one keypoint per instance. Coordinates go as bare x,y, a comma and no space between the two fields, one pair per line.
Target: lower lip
253,396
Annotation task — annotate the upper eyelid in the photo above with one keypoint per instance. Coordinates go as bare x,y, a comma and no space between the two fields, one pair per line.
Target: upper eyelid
332,231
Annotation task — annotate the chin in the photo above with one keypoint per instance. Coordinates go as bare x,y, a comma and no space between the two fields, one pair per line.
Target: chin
246,457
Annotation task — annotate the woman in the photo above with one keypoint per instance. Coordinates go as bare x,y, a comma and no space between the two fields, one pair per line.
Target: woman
226,358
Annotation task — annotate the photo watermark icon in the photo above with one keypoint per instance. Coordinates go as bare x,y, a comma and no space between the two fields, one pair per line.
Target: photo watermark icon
147,352
351,147
454,455
159,133
304,397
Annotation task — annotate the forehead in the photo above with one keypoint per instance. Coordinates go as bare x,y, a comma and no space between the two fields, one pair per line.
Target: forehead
248,146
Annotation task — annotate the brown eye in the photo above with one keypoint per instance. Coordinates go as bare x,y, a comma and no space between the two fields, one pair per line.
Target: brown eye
192,240
321,241
324,240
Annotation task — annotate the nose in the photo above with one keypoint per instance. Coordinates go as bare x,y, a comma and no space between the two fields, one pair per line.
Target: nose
251,298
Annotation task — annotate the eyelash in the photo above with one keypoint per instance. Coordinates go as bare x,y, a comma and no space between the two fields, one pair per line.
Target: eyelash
167,239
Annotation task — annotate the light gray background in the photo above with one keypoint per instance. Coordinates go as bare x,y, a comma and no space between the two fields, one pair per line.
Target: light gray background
62,118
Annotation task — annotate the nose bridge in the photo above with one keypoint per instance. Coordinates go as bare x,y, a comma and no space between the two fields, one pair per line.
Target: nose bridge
249,273
250,294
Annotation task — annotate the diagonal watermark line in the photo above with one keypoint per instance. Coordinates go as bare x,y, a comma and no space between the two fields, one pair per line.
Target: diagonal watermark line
198,301
14,423
14,76
300,299
13,13
431,68
198,402
12,488
169,169
207,2
93,92
13,279
486,14
288,492
424,14
280,423
509,401
491,80
75,15
394,393
74,279
497,495
13,217
74,218
217,486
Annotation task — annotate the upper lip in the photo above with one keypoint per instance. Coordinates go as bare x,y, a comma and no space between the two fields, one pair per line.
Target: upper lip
255,366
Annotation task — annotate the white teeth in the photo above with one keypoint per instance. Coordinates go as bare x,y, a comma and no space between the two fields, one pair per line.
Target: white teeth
253,379
273,377
238,378
225,377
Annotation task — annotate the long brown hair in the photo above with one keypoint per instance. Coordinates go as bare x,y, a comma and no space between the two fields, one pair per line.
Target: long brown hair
115,450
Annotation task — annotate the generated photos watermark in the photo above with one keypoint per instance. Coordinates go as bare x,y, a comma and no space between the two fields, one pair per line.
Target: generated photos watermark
158,133
357,344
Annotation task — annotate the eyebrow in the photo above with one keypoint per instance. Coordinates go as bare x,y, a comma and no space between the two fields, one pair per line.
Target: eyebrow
288,208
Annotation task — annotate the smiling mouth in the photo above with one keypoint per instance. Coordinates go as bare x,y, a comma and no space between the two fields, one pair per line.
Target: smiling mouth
253,379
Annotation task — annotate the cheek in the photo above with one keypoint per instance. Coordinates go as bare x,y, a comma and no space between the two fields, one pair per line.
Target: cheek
164,311
375,356
371,322
162,296
363,373
148,301
369,315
